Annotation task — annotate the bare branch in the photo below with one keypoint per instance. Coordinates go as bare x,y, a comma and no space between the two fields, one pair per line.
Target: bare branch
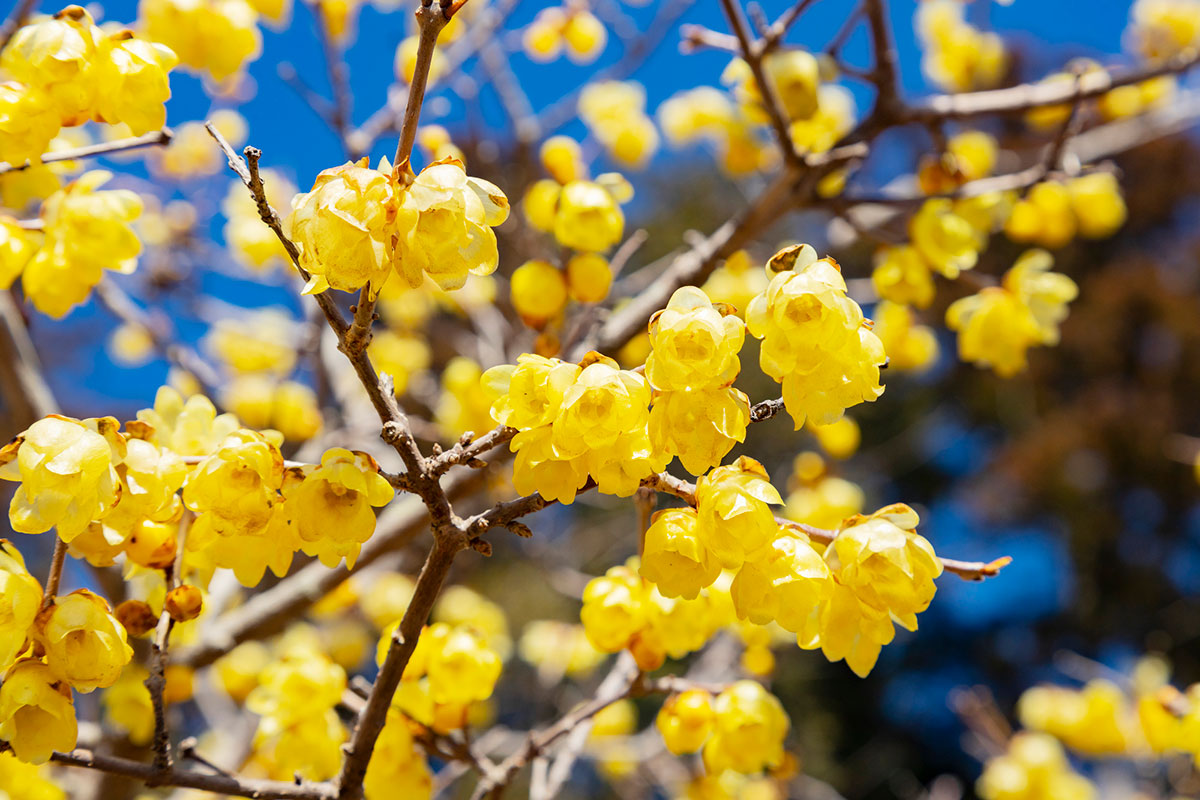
152,139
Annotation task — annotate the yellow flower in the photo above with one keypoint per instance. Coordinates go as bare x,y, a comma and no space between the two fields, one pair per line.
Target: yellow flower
886,563
59,56
17,247
603,403
700,427
558,648
87,231
909,346
614,608
674,559
902,275
28,781
694,345
851,630
795,75
736,523
132,77
66,468
1043,292
309,746
686,721
816,341
1164,29
589,277
1097,720
994,330
736,282
191,153
237,486
238,670
584,36
445,222
344,229
332,507
749,729
462,407
29,120
85,645
958,57
218,36
303,682
529,394
128,707
823,500
1045,216
1098,204
588,217
946,240
20,601
788,584
562,157
614,112
37,713
189,428
539,292
461,667
397,768
832,120
1035,767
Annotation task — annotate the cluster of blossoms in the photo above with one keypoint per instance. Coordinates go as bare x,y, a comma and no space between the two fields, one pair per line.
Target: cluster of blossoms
257,350
453,669
741,729
581,213
1033,768
85,231
1165,29
1150,718
843,598
51,646
217,37
623,610
956,55
65,71
571,29
696,414
816,341
358,225
299,732
1053,213
615,113
998,325
575,421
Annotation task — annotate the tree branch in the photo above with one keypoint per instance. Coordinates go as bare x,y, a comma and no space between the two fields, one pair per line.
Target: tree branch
152,139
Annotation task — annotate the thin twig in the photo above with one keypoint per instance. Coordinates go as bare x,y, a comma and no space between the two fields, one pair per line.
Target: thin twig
54,577
152,139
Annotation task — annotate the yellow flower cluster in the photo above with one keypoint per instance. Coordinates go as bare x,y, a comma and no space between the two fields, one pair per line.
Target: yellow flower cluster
452,670
1165,29
65,71
558,649
1053,213
70,642
358,225
958,56
571,29
615,113
581,213
575,421
997,326
622,610
736,282
696,414
397,768
909,346
795,76
299,732
1033,768
218,37
707,114
1101,719
816,341
741,729
85,231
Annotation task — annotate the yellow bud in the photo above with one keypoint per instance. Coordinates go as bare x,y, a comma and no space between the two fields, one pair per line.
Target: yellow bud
184,602
539,292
